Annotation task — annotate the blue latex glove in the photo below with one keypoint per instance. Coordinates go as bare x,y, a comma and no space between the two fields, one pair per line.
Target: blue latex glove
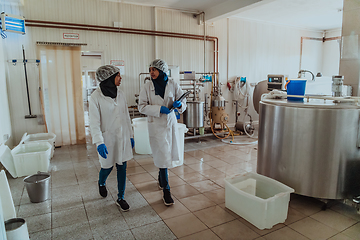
132,142
102,150
164,110
177,104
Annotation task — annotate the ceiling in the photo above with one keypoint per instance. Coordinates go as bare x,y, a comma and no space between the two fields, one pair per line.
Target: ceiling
310,14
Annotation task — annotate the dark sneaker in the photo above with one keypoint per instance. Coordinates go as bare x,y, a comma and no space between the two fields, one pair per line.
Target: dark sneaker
168,199
102,191
356,199
124,206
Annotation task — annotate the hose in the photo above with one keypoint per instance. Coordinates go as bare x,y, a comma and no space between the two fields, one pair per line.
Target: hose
240,94
217,135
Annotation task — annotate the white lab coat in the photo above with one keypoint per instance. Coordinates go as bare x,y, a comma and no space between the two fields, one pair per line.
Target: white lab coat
110,124
162,128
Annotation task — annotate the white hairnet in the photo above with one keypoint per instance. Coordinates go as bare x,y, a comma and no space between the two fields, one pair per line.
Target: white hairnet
160,65
104,72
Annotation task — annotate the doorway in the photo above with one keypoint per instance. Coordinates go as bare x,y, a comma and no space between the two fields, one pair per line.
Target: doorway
62,97
90,61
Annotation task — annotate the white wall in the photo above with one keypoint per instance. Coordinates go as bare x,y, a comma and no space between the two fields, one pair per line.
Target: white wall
257,49
331,54
5,123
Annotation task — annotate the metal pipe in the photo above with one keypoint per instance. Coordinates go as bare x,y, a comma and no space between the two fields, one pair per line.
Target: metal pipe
206,104
200,73
204,41
227,51
75,26
198,84
118,31
125,30
199,136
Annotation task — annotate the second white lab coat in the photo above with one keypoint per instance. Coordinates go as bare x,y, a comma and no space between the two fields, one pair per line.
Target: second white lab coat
110,124
162,128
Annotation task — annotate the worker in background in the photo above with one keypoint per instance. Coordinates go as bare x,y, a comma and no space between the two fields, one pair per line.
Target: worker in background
111,129
156,97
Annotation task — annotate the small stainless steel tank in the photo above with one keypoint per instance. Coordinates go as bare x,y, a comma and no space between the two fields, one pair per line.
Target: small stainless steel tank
194,114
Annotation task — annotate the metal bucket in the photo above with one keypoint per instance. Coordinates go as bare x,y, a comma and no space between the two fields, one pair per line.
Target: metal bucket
38,186
194,114
16,229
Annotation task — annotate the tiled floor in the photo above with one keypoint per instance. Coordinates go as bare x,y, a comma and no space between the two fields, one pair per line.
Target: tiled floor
76,210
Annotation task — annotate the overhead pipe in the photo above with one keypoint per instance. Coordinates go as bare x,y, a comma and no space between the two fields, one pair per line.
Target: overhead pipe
76,26
120,30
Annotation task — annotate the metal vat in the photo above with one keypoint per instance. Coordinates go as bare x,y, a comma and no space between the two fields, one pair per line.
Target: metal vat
194,114
311,147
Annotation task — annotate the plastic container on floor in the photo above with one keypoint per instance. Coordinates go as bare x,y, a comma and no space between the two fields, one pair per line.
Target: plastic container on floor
7,203
2,223
16,229
141,136
181,131
42,137
38,187
260,200
7,160
32,157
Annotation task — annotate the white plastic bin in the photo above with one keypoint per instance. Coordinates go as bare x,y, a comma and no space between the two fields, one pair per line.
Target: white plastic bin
29,158
7,203
16,229
42,137
141,136
260,200
2,224
181,131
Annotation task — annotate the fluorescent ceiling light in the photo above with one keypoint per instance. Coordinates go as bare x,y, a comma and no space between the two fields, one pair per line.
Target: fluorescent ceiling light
12,23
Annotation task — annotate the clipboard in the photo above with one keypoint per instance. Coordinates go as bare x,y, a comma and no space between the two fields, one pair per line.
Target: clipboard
180,99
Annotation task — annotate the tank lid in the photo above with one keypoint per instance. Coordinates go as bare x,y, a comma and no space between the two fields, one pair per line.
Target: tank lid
312,103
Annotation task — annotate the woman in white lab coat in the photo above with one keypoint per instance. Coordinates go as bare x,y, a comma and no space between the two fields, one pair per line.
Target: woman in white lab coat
156,97
111,129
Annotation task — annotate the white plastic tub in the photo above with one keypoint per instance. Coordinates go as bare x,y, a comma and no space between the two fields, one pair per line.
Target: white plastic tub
2,224
6,204
42,137
29,158
181,128
141,136
260,200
